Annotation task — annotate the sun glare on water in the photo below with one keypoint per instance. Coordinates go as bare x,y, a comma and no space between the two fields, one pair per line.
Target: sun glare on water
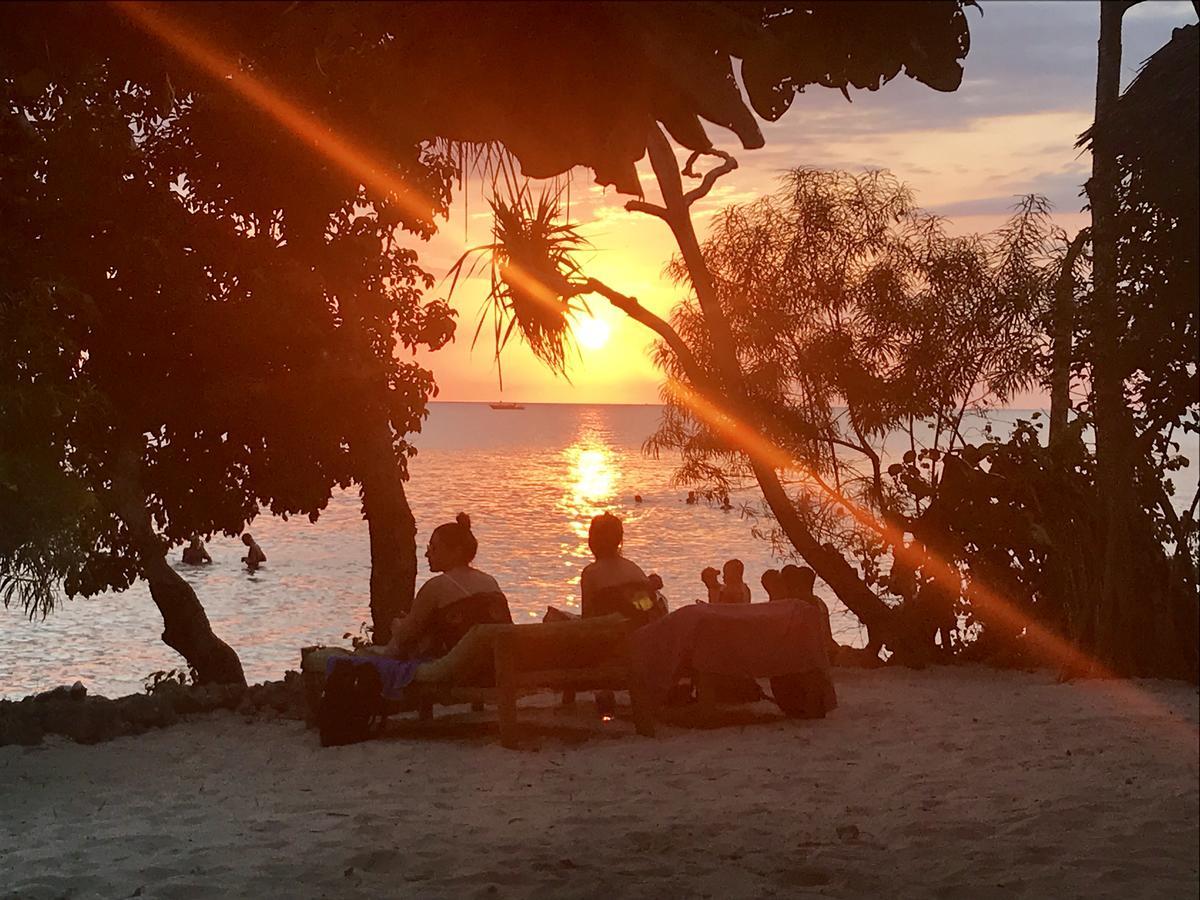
592,334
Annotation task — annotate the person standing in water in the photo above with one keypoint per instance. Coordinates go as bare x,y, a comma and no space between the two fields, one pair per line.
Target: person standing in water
254,554
194,554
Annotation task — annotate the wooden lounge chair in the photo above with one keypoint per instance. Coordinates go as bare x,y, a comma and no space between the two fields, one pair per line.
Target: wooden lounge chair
497,664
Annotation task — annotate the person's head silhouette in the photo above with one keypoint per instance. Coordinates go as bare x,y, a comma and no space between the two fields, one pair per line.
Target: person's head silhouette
734,571
605,535
772,582
798,582
452,545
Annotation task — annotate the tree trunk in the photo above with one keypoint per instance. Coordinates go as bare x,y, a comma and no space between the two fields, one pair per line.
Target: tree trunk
881,622
1118,627
1062,328
185,625
392,529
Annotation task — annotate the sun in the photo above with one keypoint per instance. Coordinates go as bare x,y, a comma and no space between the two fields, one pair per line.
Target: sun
592,333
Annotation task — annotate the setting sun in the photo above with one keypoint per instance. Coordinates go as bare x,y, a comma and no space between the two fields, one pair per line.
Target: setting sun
592,333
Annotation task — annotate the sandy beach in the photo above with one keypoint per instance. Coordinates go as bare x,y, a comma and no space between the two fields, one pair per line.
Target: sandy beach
958,782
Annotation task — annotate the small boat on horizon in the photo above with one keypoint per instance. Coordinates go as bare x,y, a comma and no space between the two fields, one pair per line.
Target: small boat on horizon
505,404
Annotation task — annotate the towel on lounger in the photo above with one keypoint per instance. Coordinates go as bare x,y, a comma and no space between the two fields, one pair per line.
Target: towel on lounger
396,674
759,640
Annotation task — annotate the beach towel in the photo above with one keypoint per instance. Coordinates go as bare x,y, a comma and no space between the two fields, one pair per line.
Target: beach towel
758,640
396,674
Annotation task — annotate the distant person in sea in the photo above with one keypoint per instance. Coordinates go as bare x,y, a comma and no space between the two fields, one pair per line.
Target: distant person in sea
451,602
798,584
194,554
254,554
691,498
772,582
613,583
637,498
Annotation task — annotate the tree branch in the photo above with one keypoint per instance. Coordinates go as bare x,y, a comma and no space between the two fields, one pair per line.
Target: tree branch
710,177
639,313
650,209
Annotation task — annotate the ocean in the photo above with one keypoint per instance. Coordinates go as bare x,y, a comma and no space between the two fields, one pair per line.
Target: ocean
530,479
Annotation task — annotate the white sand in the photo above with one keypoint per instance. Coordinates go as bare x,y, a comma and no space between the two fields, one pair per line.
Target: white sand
942,783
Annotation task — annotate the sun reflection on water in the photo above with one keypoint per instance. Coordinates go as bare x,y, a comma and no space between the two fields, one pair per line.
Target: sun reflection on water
592,479
593,475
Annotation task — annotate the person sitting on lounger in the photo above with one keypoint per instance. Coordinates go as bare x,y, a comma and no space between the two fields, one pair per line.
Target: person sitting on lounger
798,583
448,604
772,582
613,583
735,589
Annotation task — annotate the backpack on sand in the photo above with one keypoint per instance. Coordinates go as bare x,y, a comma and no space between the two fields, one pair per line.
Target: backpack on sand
351,704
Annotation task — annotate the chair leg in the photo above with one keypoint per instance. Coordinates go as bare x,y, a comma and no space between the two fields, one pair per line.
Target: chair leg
568,697
706,692
643,712
506,691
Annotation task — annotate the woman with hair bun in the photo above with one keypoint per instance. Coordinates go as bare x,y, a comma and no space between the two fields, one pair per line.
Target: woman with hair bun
449,603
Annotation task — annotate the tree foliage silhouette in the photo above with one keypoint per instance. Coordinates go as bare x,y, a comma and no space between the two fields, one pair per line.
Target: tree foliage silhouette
202,333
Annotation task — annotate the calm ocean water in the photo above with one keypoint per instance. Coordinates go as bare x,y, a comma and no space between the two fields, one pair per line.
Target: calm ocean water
531,481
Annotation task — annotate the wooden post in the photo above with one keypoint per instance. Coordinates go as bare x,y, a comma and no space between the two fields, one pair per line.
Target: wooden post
639,697
506,689
643,712
706,692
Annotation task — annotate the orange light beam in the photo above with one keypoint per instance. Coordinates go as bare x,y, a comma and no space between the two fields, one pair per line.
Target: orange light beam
308,128
1052,648
373,173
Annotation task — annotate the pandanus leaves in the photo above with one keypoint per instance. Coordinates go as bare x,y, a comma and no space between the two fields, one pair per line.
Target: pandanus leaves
531,265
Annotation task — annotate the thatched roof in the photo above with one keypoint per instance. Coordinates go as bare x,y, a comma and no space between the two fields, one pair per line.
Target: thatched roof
1155,127
559,84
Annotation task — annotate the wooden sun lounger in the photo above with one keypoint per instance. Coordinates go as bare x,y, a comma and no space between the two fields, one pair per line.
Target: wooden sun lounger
571,656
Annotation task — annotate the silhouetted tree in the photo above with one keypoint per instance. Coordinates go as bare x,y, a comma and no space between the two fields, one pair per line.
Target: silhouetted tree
840,292
1138,341
184,364
317,248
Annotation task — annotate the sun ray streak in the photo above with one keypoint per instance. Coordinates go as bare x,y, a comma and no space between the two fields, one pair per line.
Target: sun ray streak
378,175
375,173
1048,647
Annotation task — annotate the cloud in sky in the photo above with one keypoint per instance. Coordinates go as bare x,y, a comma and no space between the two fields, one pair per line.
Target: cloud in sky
1010,129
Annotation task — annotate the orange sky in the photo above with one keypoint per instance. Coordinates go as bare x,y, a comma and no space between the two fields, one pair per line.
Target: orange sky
1009,130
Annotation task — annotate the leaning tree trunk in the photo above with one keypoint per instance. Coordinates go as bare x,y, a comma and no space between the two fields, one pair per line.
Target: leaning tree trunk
392,530
186,628
883,625
1118,626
